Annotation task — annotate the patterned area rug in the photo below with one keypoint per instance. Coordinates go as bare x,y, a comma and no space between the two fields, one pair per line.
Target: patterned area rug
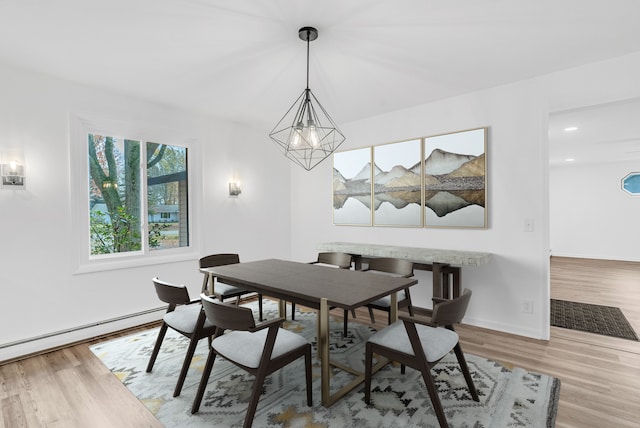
605,320
509,397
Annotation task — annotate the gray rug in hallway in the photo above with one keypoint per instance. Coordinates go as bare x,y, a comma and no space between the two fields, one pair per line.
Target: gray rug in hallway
605,320
509,397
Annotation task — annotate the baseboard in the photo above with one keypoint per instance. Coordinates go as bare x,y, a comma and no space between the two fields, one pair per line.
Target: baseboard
45,343
506,328
593,256
489,325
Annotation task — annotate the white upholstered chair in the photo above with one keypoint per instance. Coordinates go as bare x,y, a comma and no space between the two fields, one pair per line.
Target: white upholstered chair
420,345
259,349
394,267
221,290
185,316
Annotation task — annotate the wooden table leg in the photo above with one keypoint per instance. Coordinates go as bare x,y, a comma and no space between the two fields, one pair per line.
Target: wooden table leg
357,262
456,273
323,351
207,284
437,279
393,308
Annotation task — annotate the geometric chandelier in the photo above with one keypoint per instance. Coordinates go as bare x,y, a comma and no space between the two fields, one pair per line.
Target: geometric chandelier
306,133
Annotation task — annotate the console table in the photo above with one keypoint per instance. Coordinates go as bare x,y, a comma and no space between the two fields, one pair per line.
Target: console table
444,264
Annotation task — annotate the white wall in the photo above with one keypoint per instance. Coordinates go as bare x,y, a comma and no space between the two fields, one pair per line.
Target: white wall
283,210
40,292
601,230
591,217
518,187
517,166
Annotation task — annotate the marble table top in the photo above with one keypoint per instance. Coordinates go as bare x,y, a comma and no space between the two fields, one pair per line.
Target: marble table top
414,254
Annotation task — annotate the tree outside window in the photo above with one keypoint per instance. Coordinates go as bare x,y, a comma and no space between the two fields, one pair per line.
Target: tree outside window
116,198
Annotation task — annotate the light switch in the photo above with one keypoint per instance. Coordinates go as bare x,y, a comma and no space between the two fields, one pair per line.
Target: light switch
528,225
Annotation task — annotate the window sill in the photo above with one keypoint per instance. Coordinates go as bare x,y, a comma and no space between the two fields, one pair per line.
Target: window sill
127,262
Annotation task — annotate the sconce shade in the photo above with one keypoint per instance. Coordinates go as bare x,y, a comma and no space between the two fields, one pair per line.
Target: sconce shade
13,176
306,133
234,189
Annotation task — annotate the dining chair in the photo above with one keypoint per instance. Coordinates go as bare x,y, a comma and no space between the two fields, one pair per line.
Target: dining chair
185,316
259,349
221,290
421,344
395,267
331,259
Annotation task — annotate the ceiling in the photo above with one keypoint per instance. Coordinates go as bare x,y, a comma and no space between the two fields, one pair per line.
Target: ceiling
605,133
242,60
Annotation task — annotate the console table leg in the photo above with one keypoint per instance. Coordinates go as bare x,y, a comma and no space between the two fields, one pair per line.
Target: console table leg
437,279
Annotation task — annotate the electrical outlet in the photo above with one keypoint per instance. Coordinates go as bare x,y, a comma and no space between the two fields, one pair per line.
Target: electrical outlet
527,306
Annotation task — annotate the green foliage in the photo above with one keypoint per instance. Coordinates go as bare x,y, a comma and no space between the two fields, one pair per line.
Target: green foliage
155,234
114,232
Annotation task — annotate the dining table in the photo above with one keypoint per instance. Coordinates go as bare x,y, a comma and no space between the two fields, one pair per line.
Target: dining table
317,287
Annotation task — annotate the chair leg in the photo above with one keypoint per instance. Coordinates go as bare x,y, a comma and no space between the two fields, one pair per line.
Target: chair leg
307,365
407,296
368,364
260,307
435,400
373,319
185,365
465,370
156,348
203,381
293,311
345,321
255,396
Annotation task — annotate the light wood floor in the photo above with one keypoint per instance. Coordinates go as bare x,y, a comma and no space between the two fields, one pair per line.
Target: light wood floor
600,375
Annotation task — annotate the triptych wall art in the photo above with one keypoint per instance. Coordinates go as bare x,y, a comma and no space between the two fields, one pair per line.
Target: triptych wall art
437,181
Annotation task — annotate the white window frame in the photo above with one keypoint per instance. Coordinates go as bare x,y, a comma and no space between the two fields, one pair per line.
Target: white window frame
80,128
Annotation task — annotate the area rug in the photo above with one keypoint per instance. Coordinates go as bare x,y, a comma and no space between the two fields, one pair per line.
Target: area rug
509,397
605,320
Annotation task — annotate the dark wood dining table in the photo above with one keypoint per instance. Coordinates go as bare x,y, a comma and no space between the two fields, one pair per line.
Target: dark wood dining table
317,287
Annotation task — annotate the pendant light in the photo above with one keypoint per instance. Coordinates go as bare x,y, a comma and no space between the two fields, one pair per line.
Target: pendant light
306,133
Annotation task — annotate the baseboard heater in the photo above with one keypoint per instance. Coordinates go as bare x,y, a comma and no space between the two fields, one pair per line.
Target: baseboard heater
53,335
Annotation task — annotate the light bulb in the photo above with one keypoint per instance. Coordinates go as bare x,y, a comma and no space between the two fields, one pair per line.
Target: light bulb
297,134
13,165
312,134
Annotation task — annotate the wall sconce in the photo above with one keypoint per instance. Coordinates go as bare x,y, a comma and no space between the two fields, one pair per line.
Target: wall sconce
234,189
13,175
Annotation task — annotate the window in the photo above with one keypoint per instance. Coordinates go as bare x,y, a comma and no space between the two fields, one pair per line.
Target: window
167,194
631,184
128,177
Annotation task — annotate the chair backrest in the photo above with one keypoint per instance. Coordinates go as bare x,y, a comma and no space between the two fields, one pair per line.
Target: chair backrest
171,293
213,260
226,316
391,265
341,260
449,312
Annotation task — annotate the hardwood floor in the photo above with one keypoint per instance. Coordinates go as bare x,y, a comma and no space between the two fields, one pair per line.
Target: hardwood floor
600,375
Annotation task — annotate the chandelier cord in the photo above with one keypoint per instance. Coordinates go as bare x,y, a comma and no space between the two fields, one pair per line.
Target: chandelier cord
308,36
